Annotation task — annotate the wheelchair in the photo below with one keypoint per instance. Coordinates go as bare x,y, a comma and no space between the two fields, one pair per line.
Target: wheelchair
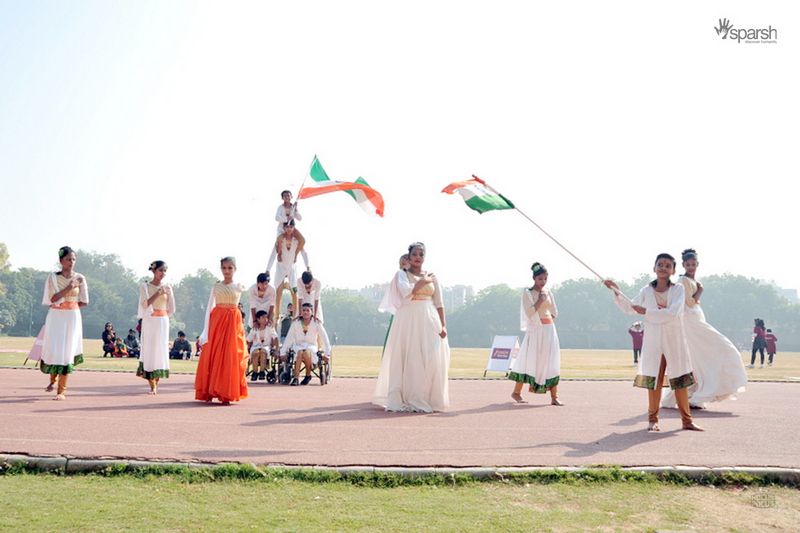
323,369
273,363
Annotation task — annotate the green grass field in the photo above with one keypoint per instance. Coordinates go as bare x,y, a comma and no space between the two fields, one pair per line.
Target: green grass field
465,362
125,503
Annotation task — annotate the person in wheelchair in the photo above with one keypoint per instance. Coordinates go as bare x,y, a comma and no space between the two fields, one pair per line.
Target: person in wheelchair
302,339
259,341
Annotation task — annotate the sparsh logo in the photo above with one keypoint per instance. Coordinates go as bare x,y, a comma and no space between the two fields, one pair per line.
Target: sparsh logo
724,26
750,35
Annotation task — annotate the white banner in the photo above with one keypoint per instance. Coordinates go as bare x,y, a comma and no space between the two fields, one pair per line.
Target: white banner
504,349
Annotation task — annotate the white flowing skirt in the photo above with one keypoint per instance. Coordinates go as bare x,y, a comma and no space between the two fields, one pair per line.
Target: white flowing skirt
717,365
538,362
63,337
413,374
154,350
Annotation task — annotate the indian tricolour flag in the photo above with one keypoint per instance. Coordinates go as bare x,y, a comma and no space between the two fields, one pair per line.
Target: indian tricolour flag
365,196
478,195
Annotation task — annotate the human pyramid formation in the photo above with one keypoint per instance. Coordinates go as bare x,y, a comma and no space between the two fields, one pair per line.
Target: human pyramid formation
702,364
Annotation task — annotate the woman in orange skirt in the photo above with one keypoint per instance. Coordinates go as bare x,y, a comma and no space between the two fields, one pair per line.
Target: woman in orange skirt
221,372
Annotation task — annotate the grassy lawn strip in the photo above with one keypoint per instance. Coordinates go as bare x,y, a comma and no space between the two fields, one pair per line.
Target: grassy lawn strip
237,497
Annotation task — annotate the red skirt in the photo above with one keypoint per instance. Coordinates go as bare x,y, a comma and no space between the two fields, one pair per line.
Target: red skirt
223,363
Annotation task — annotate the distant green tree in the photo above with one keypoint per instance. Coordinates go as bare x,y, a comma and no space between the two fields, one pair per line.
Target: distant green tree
113,293
732,302
191,300
493,311
353,318
5,266
23,298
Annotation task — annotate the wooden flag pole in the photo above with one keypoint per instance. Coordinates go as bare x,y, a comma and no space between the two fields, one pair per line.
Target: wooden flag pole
529,219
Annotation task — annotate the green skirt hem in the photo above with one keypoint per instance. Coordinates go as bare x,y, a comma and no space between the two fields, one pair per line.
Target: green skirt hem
155,374
538,388
649,382
60,370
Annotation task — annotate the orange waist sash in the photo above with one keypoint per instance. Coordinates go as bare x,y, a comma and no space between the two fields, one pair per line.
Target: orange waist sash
227,306
159,312
414,298
546,320
65,305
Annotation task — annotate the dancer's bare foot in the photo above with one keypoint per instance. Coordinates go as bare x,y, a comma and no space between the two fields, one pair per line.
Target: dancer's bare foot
692,427
555,401
517,397
49,388
60,397
653,426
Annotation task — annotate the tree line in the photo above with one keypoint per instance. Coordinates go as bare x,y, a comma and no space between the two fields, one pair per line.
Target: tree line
588,317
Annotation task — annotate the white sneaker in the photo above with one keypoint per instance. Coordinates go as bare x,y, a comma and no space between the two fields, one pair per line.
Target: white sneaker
762,365
751,366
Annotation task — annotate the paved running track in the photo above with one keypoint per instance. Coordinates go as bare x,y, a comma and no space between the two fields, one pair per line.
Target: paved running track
108,415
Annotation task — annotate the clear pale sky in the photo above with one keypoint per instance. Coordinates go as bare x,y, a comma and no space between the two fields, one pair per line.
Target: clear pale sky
166,130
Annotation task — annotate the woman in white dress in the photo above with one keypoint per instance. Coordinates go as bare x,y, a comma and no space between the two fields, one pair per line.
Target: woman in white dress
156,305
65,292
538,362
717,365
413,373
664,347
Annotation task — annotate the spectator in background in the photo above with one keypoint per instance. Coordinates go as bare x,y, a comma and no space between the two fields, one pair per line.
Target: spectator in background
120,350
759,342
181,349
286,322
132,343
637,334
197,346
109,339
772,342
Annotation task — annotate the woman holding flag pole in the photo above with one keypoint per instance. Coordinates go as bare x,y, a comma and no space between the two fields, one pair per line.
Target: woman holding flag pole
661,303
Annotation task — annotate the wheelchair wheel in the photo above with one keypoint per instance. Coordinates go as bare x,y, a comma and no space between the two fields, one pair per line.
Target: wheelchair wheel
272,376
324,373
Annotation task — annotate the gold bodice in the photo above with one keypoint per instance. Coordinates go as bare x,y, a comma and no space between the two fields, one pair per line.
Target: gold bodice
546,308
227,294
160,303
72,295
690,287
425,292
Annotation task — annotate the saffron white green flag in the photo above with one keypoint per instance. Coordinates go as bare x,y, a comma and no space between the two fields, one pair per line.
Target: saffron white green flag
365,196
478,195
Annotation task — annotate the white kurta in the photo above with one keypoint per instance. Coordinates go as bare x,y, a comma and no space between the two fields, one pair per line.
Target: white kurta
62,345
538,362
260,303
261,339
154,351
664,334
283,215
315,294
716,363
413,373
297,339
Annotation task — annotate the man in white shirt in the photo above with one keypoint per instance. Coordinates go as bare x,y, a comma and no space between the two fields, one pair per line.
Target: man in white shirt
303,338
